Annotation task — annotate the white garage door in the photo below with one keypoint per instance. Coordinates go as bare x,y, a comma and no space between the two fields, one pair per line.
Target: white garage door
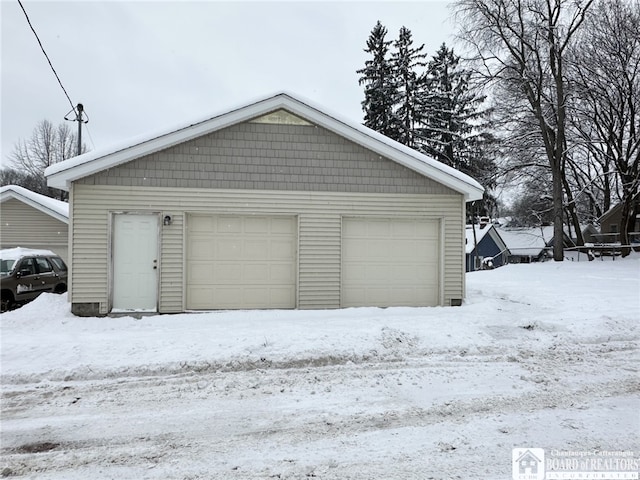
241,262
390,262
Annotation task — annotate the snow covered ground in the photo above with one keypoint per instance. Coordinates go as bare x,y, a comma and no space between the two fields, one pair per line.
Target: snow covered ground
542,355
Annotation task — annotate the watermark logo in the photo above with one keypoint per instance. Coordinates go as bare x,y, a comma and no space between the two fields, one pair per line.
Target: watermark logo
533,464
527,463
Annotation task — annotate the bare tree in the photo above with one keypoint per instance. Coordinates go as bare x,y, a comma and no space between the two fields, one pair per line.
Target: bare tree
607,114
520,47
47,145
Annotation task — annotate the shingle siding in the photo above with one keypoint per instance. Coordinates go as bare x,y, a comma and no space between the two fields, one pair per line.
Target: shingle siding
257,156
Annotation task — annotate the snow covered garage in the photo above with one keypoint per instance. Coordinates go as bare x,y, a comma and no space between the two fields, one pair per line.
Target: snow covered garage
275,204
31,220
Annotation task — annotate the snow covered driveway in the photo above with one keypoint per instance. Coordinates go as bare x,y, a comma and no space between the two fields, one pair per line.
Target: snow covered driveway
539,356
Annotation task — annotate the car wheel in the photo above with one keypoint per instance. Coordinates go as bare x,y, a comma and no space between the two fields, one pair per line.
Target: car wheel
7,301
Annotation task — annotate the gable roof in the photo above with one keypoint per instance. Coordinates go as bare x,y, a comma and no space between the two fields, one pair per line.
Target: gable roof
617,209
52,207
60,175
531,241
489,230
527,241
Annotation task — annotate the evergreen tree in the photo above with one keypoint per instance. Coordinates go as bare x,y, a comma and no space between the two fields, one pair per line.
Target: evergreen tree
406,60
380,89
452,128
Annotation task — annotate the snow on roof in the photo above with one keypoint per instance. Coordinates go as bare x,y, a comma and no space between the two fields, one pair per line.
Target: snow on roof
480,234
18,252
526,241
62,174
55,208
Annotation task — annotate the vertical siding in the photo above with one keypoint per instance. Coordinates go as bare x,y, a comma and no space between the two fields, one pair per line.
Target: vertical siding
319,261
319,234
21,225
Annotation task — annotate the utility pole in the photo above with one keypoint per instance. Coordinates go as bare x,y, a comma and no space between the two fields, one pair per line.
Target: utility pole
79,110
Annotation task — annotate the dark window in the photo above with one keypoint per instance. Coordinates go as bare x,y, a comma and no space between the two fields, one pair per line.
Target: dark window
60,265
6,266
28,264
43,265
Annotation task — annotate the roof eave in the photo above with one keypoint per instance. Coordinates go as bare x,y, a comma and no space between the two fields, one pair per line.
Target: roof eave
59,176
38,206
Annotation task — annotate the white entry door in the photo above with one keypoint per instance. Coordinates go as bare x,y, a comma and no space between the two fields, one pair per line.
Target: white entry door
135,262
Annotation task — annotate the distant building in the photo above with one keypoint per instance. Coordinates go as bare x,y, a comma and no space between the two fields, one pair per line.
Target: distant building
486,249
610,225
31,220
531,244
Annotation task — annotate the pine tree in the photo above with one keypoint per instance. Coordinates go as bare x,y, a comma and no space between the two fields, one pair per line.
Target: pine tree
380,90
453,131
452,126
405,62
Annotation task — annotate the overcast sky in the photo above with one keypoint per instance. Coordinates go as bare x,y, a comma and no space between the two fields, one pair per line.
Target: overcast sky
143,66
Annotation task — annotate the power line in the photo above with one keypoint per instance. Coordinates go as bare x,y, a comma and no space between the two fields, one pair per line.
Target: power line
76,110
46,56
90,138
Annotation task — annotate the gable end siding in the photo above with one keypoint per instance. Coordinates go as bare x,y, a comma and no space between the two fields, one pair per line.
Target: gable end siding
257,156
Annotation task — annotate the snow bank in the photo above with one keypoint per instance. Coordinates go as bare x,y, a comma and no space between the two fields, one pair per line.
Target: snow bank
534,306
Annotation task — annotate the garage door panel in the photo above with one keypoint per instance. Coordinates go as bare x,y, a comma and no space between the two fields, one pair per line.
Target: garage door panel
198,272
204,225
219,273
351,250
232,296
199,297
257,249
282,249
225,249
257,225
405,229
226,224
390,262
282,273
282,225
201,248
241,262
378,229
256,273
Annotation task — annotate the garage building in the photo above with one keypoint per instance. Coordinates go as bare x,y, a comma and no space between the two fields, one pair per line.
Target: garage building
275,204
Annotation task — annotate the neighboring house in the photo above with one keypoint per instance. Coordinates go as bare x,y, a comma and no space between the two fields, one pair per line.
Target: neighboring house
610,225
31,220
276,204
531,244
589,234
486,249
